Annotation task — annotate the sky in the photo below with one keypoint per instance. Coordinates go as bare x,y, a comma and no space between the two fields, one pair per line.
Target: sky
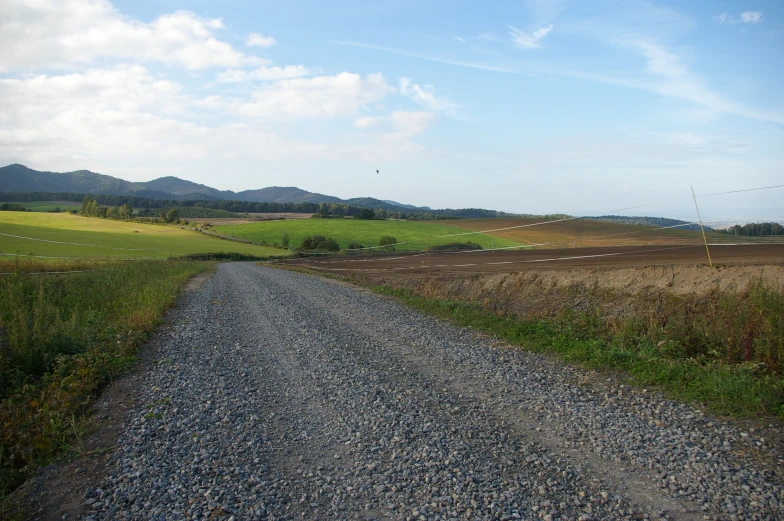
538,106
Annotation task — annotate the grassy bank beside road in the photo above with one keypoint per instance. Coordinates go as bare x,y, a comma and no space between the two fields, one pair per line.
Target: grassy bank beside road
725,350
64,336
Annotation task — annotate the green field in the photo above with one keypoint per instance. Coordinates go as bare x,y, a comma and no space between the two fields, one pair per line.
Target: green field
90,237
416,235
48,206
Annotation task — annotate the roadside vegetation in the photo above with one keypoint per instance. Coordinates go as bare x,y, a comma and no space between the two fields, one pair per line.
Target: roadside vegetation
62,338
725,350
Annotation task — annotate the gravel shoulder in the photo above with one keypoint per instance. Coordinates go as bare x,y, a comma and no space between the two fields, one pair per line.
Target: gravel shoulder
279,395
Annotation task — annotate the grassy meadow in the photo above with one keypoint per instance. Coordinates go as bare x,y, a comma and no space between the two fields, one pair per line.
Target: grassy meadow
48,206
90,237
415,234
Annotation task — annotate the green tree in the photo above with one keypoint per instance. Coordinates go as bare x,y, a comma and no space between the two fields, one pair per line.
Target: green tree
172,215
366,213
125,212
284,239
85,205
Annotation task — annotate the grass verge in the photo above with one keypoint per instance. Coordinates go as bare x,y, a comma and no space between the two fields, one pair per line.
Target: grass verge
62,338
649,356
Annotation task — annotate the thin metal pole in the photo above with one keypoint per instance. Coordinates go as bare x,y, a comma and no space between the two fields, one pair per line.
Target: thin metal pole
704,239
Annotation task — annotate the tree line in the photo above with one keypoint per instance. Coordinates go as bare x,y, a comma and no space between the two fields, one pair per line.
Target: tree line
324,210
754,230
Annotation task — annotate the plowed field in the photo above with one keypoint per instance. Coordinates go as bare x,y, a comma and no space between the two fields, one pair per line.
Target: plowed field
419,264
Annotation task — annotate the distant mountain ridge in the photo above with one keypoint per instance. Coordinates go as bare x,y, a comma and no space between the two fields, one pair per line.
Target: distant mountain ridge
19,178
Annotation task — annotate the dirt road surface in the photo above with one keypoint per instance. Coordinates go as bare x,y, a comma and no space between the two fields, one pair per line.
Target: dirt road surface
280,395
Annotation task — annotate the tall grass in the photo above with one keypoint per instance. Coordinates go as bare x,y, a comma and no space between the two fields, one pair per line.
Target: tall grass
725,349
62,337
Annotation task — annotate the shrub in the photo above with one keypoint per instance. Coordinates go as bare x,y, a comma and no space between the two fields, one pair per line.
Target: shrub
457,246
320,243
388,241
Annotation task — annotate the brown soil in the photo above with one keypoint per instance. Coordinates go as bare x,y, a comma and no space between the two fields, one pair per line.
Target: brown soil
419,265
622,282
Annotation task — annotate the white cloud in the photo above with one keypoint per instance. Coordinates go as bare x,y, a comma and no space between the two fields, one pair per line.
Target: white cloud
746,17
751,17
341,95
529,40
57,33
367,122
263,74
407,123
259,40
424,95
401,124
125,115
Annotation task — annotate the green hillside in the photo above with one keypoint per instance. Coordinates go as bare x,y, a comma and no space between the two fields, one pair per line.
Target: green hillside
85,237
412,235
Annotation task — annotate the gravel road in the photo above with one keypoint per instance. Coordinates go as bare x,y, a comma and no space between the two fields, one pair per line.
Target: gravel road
279,395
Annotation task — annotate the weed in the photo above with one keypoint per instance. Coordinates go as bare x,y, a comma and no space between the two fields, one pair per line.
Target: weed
725,351
62,337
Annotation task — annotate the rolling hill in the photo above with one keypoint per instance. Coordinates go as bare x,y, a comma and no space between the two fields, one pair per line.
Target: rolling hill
19,178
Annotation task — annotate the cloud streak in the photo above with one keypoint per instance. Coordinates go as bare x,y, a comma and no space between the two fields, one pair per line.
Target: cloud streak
259,40
746,17
529,40
424,56
263,74
425,96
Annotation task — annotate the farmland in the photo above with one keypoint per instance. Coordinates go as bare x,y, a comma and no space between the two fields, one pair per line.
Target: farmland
75,236
584,233
539,233
415,234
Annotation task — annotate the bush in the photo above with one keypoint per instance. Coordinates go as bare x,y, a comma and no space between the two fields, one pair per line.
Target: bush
366,213
12,207
319,243
388,241
457,246
355,246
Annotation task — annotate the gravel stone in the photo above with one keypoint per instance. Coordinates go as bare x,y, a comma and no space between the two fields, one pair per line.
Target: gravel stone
278,395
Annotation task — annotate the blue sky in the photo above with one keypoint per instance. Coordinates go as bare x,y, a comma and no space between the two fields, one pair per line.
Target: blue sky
527,106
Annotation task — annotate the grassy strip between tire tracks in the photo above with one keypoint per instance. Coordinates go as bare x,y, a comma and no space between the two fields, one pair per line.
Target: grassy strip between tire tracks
732,389
62,338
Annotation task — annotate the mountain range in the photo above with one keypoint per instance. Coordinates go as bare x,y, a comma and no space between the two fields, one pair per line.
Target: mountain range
19,178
